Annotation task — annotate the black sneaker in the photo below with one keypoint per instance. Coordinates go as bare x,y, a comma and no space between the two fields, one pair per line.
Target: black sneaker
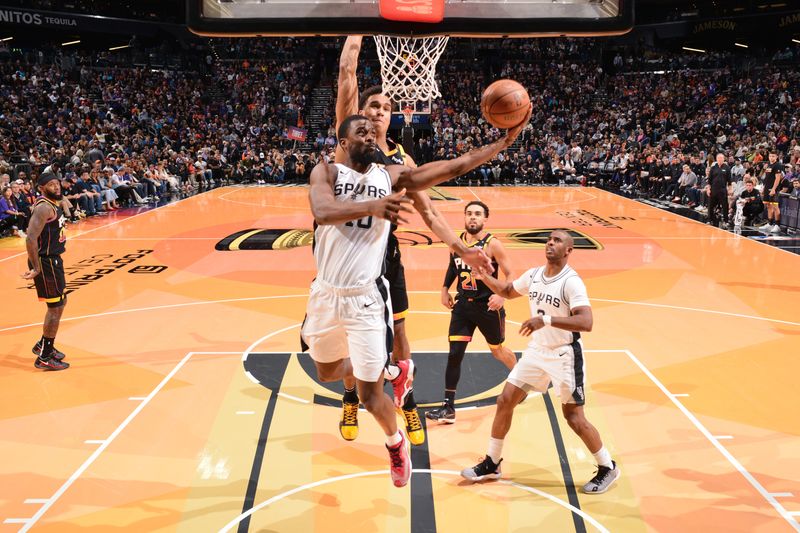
486,469
603,480
37,351
50,363
446,414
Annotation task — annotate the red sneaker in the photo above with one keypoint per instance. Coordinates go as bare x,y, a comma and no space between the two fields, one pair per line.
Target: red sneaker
50,364
400,463
402,383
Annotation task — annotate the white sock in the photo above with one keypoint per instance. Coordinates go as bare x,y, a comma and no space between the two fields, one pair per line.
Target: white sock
391,371
495,452
394,440
603,458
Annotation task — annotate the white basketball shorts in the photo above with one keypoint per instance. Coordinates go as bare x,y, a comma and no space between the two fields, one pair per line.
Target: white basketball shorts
353,322
563,366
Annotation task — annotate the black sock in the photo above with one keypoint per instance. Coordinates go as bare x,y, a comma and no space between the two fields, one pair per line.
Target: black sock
450,397
350,395
410,403
47,347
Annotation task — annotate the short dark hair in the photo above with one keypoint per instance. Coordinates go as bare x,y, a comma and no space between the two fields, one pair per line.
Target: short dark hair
45,178
478,202
369,92
344,127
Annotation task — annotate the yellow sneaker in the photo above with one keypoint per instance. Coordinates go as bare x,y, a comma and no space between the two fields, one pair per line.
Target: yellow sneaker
416,435
348,425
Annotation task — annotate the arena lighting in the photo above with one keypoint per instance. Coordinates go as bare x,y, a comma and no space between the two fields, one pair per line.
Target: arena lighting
119,47
6,39
693,49
740,45
70,42
796,41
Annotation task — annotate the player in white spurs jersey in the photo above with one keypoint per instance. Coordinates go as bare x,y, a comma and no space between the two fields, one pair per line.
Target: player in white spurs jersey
348,326
376,106
560,310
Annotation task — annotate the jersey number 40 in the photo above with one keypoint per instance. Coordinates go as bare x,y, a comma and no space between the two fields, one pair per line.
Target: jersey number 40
364,223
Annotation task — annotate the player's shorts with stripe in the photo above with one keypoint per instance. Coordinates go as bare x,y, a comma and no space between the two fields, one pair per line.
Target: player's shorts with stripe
396,276
563,366
51,283
770,198
353,322
466,316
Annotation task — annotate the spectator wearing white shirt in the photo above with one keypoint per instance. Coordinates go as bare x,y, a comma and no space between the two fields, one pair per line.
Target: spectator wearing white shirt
123,190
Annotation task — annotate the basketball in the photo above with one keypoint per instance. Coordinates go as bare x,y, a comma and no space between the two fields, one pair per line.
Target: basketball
504,103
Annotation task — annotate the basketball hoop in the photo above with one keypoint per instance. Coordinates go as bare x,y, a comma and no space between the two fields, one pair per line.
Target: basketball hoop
408,67
408,115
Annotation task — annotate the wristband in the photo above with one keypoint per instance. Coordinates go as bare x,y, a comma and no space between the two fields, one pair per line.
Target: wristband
547,319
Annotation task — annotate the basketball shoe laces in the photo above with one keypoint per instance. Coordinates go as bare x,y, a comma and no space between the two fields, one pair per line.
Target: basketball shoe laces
396,455
486,466
350,414
600,474
412,420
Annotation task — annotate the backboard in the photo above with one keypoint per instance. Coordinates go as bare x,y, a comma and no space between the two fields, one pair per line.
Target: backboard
461,18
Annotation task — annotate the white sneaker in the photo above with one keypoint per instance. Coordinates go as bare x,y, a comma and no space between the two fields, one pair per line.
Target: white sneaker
603,480
486,469
775,229
764,227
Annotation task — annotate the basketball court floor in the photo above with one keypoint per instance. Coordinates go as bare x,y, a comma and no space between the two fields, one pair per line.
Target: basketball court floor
188,408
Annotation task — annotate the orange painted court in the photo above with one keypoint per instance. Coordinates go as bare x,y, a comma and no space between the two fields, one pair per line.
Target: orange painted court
188,408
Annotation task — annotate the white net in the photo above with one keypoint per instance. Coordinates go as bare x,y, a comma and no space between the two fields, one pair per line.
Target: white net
408,66
408,115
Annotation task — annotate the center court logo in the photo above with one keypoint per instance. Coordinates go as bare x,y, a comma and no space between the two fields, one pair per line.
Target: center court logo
488,376
286,239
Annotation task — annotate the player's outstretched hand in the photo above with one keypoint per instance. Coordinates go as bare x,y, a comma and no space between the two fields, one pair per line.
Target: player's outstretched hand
531,325
477,260
513,133
391,207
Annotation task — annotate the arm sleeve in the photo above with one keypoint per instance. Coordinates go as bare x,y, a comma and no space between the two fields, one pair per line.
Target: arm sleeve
523,283
451,273
575,293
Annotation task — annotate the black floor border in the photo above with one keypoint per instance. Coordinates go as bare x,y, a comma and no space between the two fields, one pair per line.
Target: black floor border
423,511
258,458
566,472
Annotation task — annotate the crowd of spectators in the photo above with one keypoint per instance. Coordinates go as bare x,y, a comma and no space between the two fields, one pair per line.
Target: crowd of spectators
653,133
127,136
649,122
